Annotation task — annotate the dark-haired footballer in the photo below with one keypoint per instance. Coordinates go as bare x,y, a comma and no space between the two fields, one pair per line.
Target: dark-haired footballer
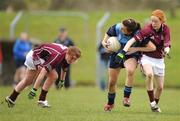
124,32
42,62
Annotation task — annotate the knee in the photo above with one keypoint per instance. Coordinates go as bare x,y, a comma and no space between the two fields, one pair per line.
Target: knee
112,83
160,88
149,76
130,72
27,82
53,76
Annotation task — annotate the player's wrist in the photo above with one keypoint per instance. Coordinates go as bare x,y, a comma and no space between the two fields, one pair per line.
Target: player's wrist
121,54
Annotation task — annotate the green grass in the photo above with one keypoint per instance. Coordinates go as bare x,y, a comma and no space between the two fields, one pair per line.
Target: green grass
86,104
45,28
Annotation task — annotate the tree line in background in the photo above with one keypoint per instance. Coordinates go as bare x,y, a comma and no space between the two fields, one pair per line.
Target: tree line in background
88,5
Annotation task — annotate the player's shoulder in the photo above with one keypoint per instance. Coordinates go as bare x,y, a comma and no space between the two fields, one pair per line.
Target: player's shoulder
59,46
165,27
18,41
148,29
117,26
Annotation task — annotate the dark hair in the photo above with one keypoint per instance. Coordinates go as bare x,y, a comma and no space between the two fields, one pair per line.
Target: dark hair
132,25
62,29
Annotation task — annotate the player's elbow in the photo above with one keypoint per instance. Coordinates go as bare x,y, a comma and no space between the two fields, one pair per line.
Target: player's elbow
153,48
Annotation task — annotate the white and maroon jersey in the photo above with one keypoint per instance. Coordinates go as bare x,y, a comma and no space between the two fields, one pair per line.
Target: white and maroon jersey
52,54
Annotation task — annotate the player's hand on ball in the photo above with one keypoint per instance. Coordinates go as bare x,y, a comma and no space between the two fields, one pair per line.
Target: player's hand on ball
105,45
120,56
60,84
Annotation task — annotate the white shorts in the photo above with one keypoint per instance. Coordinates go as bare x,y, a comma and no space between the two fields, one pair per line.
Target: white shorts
29,61
157,64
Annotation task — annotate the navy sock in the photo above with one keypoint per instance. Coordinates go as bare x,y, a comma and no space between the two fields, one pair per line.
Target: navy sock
127,91
111,97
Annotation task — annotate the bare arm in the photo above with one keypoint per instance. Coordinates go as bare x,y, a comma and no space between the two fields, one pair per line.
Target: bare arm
40,77
63,74
62,78
129,44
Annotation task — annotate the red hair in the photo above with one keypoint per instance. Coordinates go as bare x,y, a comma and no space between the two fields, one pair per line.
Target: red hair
160,14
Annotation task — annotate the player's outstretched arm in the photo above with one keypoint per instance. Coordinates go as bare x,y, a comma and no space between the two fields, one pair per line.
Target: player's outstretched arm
62,78
37,83
148,48
129,44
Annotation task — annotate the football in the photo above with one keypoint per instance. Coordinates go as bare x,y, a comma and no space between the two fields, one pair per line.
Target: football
114,44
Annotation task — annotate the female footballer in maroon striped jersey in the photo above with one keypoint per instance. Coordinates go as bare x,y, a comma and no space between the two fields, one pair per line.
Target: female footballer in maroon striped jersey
153,62
41,62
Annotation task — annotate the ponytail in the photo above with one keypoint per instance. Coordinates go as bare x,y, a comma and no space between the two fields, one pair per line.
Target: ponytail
131,25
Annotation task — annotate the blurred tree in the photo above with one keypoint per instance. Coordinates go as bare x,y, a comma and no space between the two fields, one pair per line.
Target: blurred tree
56,4
15,4
37,4
173,6
3,4
170,5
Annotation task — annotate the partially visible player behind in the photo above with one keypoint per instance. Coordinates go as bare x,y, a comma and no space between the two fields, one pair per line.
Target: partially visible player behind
21,47
42,62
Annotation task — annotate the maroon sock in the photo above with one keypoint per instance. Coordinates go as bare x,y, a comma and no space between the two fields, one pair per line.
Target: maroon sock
43,94
14,95
151,95
157,100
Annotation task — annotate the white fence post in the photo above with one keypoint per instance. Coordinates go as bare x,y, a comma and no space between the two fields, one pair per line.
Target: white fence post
13,24
99,26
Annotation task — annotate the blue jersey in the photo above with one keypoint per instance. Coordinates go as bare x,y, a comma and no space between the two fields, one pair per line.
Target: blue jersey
115,31
122,38
20,49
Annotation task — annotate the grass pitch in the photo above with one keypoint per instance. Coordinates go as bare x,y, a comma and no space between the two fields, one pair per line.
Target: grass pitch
46,29
86,104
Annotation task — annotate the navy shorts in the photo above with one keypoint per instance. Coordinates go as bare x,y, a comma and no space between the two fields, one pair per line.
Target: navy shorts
113,64
19,63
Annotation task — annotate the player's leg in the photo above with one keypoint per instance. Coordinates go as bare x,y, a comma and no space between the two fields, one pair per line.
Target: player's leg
16,77
130,67
113,77
17,74
51,77
159,80
22,72
28,79
149,72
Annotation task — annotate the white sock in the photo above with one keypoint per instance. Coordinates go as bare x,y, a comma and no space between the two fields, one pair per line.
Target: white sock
153,103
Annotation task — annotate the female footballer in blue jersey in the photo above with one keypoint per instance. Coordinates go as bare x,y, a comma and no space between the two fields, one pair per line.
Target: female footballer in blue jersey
124,31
